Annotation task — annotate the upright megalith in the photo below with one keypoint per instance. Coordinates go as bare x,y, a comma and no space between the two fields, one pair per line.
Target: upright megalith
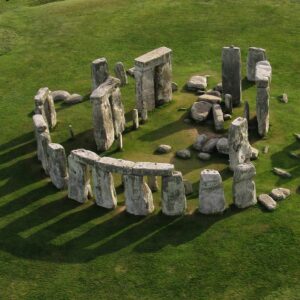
58,165
244,190
262,107
120,73
231,73
118,113
254,56
104,189
152,183
211,193
239,146
263,73
138,196
153,77
44,105
99,70
80,162
135,119
228,103
173,195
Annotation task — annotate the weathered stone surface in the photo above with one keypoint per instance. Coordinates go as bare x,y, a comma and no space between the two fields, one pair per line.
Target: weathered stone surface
73,99
188,187
246,113
210,145
162,149
267,202
228,103
135,119
262,110
282,173
263,73
163,83
200,141
227,117
231,73
244,189
218,117
239,147
184,154
280,193
152,169
254,56
219,87
210,99
173,195
211,193
200,111
214,93
284,98
144,115
204,156
138,196
43,140
39,123
254,153
223,146
196,82
60,95
118,113
58,165
104,189
99,72
174,87
85,156
130,72
79,187
40,126
114,165
121,73
152,183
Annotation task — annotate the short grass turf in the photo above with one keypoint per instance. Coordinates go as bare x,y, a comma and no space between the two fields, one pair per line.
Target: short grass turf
54,248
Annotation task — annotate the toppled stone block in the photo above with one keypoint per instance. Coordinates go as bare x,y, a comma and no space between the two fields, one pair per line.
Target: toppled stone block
184,154
267,202
218,117
99,72
204,156
173,195
162,149
60,95
263,73
211,193
282,173
200,111
196,82
121,73
152,169
254,56
210,98
223,146
73,99
200,142
210,145
279,194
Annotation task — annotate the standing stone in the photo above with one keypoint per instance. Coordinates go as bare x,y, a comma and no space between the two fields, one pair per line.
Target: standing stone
196,82
152,183
200,111
135,119
118,113
99,72
44,139
40,126
247,111
138,196
231,73
263,73
211,193
144,115
121,73
218,117
104,189
58,165
254,56
163,83
262,107
239,147
173,195
120,142
228,103
244,190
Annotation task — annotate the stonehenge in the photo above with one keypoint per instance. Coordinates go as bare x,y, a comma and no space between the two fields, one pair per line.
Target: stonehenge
121,73
255,55
153,77
99,70
231,73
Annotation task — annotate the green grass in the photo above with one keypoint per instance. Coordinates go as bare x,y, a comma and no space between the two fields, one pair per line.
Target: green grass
54,248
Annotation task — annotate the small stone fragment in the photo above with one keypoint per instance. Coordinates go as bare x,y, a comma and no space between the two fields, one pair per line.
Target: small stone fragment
135,119
267,202
284,98
210,99
130,72
266,149
162,149
200,92
297,135
282,173
280,194
228,103
200,141
184,154
204,156
196,83
219,87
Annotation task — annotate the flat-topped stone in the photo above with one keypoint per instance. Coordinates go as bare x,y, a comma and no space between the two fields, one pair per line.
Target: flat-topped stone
115,165
41,96
254,56
39,123
210,99
267,202
196,82
263,72
154,169
153,57
200,111
85,156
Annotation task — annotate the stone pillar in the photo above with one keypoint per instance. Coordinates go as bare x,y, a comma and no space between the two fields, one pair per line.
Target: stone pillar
138,196
118,113
262,106
79,187
163,83
247,111
254,56
40,126
121,73
104,189
173,195
135,119
144,115
152,183
228,103
231,73
244,191
99,70
44,139
211,193
239,147
58,165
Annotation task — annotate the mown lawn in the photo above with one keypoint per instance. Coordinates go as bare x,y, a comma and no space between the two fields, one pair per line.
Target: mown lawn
54,248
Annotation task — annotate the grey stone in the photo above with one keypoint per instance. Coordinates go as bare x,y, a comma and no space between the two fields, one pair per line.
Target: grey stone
121,73
219,87
254,56
254,153
211,193
43,140
84,156
214,93
246,113
118,113
210,99
200,92
262,110
204,156
58,165
173,195
284,98
40,126
174,87
152,169
200,141
244,189
218,117
231,73
144,115
135,119
130,72
196,82
210,145
227,117
228,103
267,202
138,196
200,111
100,72
60,95
263,73
282,173
280,193
184,154
152,183
223,146
188,187
39,123
239,147
162,149
73,99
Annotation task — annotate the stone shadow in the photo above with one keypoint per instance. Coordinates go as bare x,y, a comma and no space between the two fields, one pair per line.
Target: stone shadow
246,84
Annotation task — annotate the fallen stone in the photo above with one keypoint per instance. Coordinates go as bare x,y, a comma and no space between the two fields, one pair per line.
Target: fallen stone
184,154
188,187
284,98
162,149
200,141
204,156
214,93
223,146
200,111
282,173
73,99
121,73
227,117
60,95
210,145
210,99
280,193
200,92
196,83
218,117
254,153
174,87
267,202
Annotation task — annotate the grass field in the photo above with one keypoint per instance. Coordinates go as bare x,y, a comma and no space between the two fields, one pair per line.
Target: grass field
54,248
